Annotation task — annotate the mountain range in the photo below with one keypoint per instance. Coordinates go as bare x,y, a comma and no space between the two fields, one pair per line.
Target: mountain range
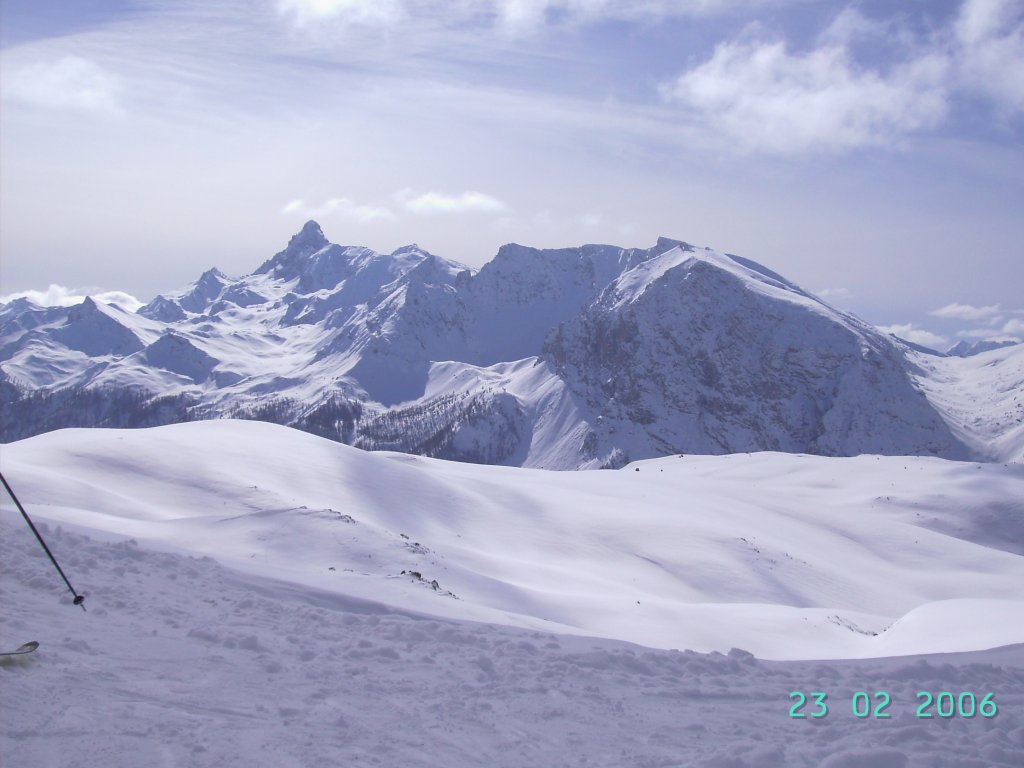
567,358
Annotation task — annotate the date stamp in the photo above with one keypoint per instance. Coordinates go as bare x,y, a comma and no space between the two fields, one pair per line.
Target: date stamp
877,704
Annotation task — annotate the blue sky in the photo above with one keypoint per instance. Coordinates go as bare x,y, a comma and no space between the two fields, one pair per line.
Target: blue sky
870,151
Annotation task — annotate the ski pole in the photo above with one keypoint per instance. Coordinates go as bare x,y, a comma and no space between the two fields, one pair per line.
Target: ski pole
79,599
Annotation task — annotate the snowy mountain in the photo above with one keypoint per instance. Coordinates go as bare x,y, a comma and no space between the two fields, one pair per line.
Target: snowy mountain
568,358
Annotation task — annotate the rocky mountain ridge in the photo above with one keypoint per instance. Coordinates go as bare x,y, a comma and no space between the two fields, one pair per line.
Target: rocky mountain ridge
561,358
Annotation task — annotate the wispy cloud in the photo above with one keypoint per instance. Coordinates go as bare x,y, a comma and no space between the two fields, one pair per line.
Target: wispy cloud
966,312
914,335
518,17
341,206
61,296
67,83
441,202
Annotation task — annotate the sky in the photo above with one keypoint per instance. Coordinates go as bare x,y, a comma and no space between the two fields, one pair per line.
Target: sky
870,151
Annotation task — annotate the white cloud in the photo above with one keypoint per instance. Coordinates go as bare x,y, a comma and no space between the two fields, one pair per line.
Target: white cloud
1014,325
765,98
440,202
341,206
990,34
916,335
833,293
966,311
380,13
519,16
70,82
61,296
982,20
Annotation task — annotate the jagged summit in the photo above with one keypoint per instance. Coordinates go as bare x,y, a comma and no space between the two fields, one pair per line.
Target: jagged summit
212,276
87,305
410,248
304,243
310,238
564,358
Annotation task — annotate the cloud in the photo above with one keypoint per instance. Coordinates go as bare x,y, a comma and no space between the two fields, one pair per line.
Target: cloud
372,13
985,334
518,16
530,15
341,206
68,83
515,17
833,293
966,312
916,335
440,202
1014,325
851,25
990,37
61,296
975,333
764,98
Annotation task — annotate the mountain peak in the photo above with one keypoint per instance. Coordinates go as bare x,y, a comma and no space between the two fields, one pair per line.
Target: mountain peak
410,248
668,243
302,244
212,274
310,236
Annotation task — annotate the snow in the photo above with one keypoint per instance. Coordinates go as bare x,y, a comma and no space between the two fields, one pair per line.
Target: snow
217,633
775,553
981,397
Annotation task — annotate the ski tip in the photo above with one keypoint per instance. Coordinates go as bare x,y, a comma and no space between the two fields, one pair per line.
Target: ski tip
28,647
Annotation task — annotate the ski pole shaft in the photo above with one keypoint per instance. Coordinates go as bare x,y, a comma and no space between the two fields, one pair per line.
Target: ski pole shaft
79,599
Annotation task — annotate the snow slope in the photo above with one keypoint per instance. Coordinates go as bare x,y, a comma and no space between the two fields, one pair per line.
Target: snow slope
785,556
217,635
981,397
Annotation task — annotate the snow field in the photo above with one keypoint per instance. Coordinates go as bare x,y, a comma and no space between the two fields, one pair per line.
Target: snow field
784,556
248,606
180,661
